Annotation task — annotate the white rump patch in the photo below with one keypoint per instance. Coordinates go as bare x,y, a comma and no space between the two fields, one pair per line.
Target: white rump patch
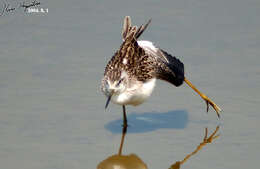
147,45
149,48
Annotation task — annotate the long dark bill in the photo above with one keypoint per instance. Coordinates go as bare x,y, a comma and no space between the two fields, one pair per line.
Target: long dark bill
108,100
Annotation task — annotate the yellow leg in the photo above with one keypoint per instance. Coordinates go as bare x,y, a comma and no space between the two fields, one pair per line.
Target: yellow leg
204,97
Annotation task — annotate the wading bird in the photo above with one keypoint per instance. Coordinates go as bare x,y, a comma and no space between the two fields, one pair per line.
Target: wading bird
130,75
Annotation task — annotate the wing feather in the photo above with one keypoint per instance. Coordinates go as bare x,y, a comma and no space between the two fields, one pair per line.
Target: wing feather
168,67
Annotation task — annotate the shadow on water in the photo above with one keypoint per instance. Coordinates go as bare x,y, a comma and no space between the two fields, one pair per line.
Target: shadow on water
132,161
145,122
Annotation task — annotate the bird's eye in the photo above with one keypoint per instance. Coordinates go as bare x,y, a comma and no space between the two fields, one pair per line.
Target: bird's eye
119,82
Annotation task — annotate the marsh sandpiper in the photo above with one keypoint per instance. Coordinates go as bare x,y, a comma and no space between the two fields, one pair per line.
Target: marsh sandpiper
130,75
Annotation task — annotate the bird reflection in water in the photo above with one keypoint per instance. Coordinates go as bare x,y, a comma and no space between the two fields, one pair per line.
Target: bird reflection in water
132,161
119,161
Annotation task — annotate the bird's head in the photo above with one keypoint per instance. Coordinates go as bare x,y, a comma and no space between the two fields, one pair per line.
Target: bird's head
113,83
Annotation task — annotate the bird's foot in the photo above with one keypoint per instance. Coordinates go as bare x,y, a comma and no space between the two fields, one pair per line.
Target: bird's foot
205,98
214,105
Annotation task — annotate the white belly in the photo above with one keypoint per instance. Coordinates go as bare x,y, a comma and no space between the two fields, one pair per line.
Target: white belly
136,94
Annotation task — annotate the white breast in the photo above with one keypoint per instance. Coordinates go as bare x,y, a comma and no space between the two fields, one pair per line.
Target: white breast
135,95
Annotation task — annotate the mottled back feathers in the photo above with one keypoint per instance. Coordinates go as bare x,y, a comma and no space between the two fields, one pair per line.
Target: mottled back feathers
142,63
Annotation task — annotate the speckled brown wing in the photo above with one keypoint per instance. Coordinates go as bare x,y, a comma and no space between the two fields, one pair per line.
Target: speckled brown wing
166,67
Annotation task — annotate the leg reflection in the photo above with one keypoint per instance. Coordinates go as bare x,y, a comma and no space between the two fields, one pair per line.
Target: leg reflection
124,130
205,141
120,161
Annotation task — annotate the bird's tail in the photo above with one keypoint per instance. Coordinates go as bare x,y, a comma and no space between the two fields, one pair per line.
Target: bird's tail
132,32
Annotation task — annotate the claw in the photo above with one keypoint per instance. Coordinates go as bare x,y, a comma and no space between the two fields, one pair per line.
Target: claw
215,107
207,103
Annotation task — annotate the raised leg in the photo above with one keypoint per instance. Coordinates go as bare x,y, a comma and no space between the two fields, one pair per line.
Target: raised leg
205,98
124,117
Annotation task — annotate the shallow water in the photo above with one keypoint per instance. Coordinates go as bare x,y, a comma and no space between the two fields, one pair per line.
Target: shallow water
52,111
